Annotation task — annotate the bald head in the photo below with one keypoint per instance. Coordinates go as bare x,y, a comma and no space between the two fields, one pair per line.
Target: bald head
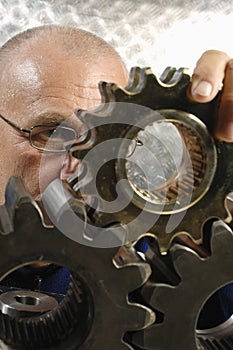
39,53
45,74
85,48
73,42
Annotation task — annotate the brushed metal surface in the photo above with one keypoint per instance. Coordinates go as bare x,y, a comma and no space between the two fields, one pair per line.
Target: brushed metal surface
146,33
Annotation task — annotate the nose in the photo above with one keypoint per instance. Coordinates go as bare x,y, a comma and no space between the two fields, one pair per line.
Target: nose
69,167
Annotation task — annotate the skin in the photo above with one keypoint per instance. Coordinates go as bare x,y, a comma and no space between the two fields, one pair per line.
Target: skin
42,80
216,67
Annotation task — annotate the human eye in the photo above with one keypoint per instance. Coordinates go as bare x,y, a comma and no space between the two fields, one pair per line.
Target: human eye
52,137
47,133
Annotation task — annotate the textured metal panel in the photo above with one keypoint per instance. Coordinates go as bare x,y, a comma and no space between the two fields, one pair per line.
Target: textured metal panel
146,33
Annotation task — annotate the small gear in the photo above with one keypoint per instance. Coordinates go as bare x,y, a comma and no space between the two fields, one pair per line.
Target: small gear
151,161
95,314
27,325
181,304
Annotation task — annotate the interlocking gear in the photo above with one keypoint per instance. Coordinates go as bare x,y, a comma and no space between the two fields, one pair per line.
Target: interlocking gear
181,304
96,313
131,167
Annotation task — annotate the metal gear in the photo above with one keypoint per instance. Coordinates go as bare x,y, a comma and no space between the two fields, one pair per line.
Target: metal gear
24,324
181,303
114,132
219,337
96,311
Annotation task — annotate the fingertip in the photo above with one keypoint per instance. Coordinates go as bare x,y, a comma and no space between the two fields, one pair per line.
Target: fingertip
201,90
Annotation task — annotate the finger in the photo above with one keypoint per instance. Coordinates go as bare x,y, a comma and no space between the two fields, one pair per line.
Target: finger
224,129
208,75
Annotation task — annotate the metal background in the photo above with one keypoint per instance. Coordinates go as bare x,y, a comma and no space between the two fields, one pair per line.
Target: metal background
145,33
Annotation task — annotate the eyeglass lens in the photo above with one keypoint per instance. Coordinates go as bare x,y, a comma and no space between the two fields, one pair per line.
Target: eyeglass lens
50,138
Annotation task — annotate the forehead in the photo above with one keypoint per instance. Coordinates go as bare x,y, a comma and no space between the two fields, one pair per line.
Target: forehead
40,69
44,61
47,76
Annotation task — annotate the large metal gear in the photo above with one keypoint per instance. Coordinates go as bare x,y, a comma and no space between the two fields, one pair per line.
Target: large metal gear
96,312
120,164
182,303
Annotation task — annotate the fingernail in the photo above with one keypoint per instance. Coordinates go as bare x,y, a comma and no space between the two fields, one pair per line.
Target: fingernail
203,88
225,131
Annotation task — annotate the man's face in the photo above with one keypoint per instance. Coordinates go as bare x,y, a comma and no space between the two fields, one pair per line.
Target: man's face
44,86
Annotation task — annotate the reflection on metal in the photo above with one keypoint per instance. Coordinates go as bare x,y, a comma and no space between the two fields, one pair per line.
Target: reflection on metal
220,336
101,281
181,303
175,162
203,174
25,303
144,33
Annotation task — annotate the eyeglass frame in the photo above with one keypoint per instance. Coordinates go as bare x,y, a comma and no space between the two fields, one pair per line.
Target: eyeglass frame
29,131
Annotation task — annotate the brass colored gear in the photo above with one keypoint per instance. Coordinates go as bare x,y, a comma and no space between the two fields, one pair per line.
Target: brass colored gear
150,159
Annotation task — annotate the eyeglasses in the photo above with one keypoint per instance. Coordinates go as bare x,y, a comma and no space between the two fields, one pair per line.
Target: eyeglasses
47,138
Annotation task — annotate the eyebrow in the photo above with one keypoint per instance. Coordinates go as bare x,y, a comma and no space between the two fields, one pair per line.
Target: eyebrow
46,119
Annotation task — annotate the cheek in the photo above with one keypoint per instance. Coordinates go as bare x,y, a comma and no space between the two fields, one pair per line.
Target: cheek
8,165
50,168
37,170
26,167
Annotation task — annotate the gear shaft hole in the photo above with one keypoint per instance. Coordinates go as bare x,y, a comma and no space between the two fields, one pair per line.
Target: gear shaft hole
215,321
27,300
171,161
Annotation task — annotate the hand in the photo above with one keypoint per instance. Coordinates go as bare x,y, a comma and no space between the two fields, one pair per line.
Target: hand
212,69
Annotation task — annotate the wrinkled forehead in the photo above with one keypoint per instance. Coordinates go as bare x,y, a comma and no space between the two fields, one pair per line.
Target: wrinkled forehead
43,66
37,71
45,70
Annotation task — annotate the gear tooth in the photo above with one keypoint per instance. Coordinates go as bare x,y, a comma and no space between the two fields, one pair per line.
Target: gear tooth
63,321
124,346
131,260
143,316
45,329
116,93
16,191
130,285
137,82
106,93
5,221
172,76
167,74
128,259
93,119
158,295
215,344
6,329
221,232
183,257
177,76
145,272
150,338
21,201
147,292
134,78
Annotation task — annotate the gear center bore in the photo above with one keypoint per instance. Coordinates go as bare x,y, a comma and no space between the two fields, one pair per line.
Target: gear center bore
25,315
171,162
